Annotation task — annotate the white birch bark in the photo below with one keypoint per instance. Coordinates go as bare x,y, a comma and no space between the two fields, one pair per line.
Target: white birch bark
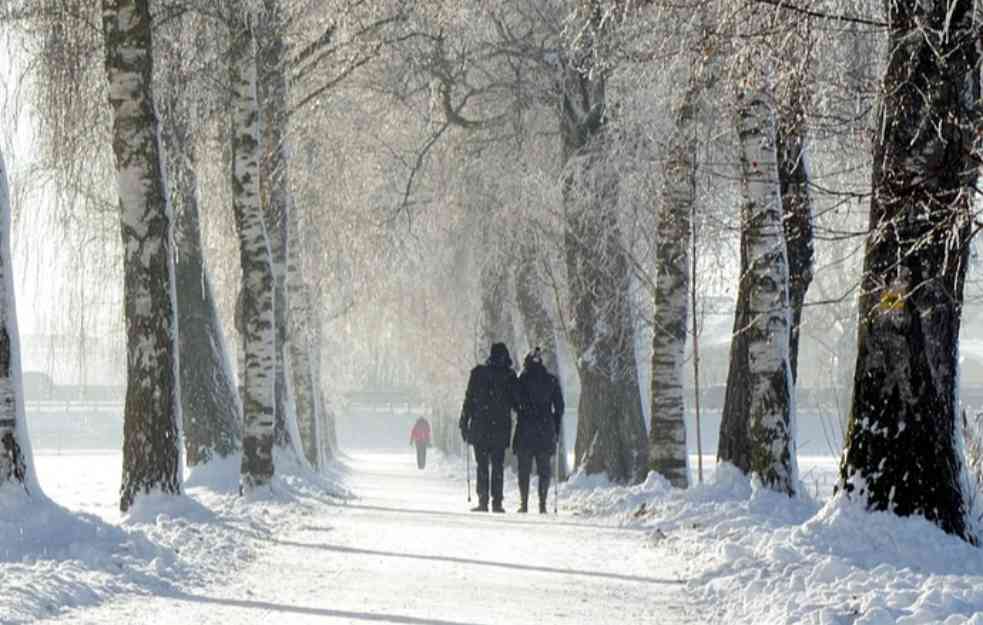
152,412
771,410
257,314
273,98
667,434
16,459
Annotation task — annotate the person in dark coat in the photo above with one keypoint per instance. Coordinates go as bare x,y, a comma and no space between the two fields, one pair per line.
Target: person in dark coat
486,421
538,428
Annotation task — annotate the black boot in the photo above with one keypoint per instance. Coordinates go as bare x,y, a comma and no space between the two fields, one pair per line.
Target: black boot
481,507
544,496
497,506
524,505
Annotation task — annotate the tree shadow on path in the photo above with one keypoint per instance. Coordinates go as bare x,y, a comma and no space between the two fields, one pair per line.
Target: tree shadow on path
544,521
505,565
400,619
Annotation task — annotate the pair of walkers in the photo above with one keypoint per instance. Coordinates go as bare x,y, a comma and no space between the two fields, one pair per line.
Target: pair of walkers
493,393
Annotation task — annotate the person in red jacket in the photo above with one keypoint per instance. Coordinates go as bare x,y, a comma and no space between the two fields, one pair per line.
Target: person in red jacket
420,436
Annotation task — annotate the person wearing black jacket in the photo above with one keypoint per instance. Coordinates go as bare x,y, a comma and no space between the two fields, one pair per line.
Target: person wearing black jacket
486,421
538,428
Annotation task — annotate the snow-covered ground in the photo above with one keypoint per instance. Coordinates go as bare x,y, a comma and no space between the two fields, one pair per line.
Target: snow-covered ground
73,549
758,558
406,551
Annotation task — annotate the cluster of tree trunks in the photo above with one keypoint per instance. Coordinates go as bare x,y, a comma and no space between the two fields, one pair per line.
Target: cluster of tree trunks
220,421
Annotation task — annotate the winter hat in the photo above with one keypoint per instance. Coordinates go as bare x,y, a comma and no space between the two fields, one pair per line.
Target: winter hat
533,357
500,355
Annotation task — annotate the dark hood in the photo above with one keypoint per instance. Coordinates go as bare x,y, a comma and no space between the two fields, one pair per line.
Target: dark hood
499,356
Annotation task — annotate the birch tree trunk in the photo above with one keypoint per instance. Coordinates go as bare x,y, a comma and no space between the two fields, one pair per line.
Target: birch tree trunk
16,459
793,172
209,398
152,412
210,405
309,419
734,441
256,297
328,433
272,95
901,452
765,367
667,435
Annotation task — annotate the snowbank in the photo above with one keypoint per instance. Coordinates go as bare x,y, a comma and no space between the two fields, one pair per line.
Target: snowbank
52,559
759,558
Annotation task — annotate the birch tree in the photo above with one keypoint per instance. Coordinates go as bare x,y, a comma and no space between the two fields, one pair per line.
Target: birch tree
256,314
757,430
667,434
152,411
901,453
300,347
764,368
209,398
16,459
793,102
274,185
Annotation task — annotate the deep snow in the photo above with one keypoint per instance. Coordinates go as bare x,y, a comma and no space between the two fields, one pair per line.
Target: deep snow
758,558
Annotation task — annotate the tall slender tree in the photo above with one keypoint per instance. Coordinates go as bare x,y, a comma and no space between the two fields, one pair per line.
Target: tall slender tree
901,452
667,434
300,349
256,301
765,366
794,96
152,412
210,403
274,184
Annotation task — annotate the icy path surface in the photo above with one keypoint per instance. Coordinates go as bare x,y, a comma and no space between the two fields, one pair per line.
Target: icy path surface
408,552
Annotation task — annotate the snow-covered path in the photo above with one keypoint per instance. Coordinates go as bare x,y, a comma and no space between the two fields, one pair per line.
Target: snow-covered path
408,552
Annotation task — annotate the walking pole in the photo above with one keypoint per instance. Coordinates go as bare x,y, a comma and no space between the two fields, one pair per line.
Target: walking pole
467,469
556,484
